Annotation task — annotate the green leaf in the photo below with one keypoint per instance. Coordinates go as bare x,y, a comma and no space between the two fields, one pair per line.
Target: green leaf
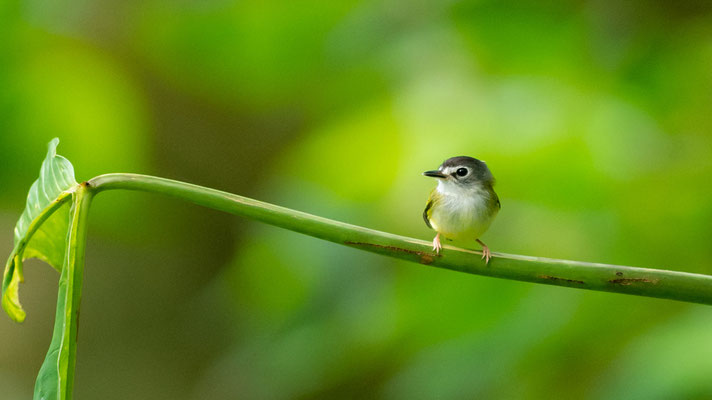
41,231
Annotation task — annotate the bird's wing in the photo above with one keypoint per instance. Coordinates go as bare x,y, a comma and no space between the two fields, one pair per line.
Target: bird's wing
426,212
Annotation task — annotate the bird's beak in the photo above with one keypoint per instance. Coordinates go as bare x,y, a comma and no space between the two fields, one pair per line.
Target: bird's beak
435,174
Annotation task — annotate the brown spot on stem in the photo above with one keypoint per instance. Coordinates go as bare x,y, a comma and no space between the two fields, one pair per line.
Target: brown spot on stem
619,273
630,281
425,258
556,278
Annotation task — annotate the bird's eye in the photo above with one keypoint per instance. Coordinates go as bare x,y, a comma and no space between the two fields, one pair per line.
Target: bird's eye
461,171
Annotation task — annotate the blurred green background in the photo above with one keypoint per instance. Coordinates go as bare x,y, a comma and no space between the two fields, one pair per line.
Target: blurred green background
594,115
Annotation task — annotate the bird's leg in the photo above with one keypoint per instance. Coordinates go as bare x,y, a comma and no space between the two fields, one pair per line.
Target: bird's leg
486,254
436,244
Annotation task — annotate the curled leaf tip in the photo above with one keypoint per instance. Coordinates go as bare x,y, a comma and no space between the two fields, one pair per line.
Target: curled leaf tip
11,296
52,147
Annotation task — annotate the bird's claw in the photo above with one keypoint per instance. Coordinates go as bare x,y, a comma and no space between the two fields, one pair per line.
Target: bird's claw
486,253
436,244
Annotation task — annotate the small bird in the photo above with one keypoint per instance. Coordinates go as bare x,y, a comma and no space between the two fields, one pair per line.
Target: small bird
463,204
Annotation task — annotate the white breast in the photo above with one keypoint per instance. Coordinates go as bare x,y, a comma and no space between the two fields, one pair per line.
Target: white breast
462,212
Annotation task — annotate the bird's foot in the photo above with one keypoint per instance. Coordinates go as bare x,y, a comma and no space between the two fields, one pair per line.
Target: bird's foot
436,244
486,253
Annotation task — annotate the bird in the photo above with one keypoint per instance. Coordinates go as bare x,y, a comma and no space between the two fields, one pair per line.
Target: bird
464,203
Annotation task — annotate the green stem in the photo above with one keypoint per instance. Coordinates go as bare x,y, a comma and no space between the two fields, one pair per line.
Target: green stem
56,377
582,275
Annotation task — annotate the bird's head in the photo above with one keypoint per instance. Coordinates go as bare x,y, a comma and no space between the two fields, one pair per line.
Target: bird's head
462,172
